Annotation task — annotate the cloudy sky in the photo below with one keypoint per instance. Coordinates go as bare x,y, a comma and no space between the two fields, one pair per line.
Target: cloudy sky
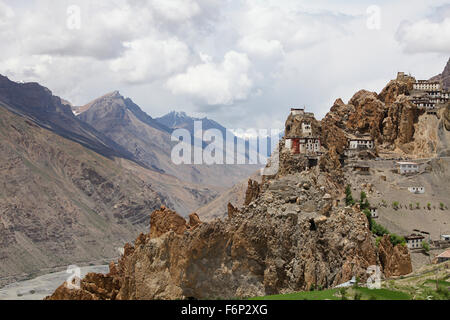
243,63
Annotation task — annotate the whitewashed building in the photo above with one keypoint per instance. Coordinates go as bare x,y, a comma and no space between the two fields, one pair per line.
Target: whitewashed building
301,145
306,129
418,190
407,167
297,111
425,85
374,212
310,145
414,241
361,143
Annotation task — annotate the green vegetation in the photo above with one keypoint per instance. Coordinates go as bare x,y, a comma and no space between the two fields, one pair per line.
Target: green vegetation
331,294
363,202
442,283
355,293
369,218
343,293
384,294
380,231
425,246
396,239
395,205
429,284
417,205
376,229
429,206
377,241
433,283
441,205
348,196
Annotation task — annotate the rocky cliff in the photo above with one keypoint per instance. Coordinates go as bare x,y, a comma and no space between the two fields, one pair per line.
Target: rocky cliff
289,238
390,118
396,260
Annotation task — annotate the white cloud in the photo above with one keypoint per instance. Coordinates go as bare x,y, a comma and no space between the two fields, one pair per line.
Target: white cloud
425,36
6,22
35,68
216,84
266,28
256,57
176,10
147,59
6,13
260,47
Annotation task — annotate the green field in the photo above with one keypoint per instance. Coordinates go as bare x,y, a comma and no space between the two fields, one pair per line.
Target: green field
335,294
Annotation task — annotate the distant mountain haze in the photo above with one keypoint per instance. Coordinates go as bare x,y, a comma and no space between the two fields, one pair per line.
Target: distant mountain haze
180,120
149,140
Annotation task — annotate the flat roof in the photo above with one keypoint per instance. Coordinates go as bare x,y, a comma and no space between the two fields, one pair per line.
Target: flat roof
414,236
427,81
445,254
364,136
361,139
401,162
301,137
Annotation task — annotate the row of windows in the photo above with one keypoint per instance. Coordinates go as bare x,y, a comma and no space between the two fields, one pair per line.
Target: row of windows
426,86
438,94
405,166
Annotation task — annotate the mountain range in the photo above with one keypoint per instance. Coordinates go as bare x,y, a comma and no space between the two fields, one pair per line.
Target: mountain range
149,140
78,183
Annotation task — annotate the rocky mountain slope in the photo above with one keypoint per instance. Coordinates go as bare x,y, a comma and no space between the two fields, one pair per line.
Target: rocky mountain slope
180,120
236,195
40,105
289,238
60,201
149,141
444,76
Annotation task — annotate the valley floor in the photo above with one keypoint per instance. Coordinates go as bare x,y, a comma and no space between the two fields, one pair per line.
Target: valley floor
43,286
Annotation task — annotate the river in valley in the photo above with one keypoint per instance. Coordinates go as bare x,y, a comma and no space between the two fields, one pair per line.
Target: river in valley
40,287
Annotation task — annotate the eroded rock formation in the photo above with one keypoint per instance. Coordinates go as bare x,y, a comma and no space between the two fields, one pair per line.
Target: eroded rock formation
252,192
390,118
396,261
290,239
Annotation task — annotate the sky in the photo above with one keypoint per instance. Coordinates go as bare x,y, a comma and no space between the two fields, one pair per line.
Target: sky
243,63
